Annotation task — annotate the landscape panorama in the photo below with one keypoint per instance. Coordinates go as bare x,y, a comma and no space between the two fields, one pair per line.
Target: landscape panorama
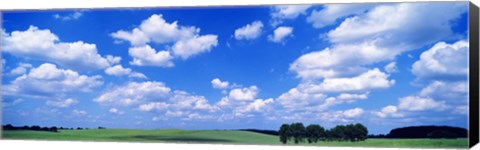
355,75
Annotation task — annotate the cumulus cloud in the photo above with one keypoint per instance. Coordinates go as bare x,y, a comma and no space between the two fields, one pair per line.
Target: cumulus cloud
280,34
443,60
153,106
353,113
48,80
116,111
219,84
379,34
331,13
283,12
372,79
250,31
147,56
62,104
388,111
79,112
455,92
137,75
391,67
135,93
118,70
244,94
112,60
194,46
338,61
20,69
72,16
416,103
155,97
187,41
297,98
43,45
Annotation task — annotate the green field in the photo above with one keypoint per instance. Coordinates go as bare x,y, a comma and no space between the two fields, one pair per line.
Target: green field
216,136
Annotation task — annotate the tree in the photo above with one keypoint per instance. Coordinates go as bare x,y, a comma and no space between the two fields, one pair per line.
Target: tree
35,128
361,132
298,132
285,133
8,127
314,133
54,129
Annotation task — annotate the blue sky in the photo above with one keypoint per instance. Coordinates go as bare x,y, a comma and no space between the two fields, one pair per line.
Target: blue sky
383,65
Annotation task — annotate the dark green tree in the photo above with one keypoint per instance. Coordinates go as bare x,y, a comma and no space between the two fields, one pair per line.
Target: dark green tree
298,132
285,133
361,132
314,133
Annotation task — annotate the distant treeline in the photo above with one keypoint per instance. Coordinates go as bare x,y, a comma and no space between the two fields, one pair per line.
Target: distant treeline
428,132
425,132
269,132
39,128
314,133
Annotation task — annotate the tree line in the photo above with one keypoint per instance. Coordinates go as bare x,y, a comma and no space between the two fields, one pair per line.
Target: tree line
39,128
314,133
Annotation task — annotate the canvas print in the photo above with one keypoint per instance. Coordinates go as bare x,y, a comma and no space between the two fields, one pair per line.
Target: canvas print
356,75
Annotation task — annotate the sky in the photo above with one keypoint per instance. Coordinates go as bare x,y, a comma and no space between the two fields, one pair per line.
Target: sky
385,65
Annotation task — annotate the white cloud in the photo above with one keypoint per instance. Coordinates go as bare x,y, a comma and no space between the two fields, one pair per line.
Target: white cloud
147,56
137,75
453,92
443,60
186,40
47,79
155,97
391,67
280,34
282,12
173,113
219,84
135,93
194,46
349,96
415,103
115,111
118,70
298,99
340,60
40,44
258,105
112,60
153,106
372,79
197,116
389,111
136,37
378,35
20,69
244,94
182,100
63,104
353,113
72,16
331,13
249,31
79,112
397,24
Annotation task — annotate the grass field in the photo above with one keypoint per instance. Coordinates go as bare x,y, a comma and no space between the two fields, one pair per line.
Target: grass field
216,136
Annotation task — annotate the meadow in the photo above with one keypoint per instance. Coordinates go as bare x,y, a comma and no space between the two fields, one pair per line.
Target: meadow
216,136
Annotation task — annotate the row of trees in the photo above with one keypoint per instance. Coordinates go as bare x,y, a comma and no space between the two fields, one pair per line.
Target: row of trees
38,128
314,133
